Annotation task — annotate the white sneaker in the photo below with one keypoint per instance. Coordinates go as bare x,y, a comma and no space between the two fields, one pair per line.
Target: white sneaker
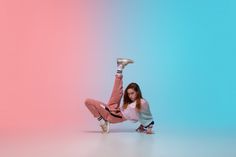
123,62
108,126
105,127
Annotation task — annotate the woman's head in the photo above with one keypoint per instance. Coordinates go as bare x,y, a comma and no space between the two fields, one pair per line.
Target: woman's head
132,93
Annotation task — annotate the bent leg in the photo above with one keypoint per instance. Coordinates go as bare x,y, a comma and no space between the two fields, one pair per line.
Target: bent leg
97,108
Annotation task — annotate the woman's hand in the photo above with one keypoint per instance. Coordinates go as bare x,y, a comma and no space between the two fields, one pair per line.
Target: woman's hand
149,131
141,129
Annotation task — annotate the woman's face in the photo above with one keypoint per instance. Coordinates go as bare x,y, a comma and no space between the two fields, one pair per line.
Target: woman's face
132,94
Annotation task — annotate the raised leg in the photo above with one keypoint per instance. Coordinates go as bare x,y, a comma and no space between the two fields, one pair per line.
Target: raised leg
117,93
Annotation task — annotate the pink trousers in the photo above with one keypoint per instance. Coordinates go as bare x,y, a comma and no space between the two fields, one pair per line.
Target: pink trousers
110,111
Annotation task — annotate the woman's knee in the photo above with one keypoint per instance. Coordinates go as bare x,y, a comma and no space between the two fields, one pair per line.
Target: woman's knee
88,101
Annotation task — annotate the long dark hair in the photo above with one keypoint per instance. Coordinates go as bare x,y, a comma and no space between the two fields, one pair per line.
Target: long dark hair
127,100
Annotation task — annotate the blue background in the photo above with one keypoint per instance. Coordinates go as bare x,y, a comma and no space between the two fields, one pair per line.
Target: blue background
184,53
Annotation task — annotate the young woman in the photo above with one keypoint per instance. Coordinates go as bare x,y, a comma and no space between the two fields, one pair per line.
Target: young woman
135,108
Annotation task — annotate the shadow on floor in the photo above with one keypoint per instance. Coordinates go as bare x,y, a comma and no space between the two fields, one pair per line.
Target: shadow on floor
111,131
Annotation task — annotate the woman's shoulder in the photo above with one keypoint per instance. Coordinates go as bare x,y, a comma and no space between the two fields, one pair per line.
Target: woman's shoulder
144,101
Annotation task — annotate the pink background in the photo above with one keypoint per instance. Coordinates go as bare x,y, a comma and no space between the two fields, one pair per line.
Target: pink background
49,56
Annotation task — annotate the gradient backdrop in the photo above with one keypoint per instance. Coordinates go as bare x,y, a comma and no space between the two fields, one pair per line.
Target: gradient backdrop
54,54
